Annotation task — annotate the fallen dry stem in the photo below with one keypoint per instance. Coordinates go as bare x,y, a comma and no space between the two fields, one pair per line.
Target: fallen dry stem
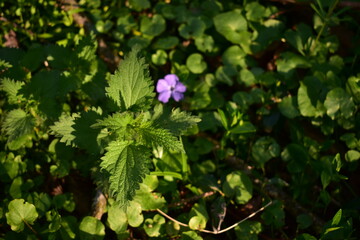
215,232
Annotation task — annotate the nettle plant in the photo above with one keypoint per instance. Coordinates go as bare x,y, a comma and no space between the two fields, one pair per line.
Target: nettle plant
127,137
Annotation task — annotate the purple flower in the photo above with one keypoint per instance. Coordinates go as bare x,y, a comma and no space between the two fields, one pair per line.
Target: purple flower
170,87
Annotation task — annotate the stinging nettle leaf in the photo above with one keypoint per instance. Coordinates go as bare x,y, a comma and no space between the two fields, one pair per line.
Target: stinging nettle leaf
17,124
127,164
76,130
64,129
131,86
152,136
175,121
12,88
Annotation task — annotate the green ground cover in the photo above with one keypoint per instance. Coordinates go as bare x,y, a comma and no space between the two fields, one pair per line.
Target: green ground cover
179,119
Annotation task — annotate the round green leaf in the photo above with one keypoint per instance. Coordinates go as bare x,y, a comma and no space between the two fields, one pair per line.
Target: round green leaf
238,185
117,219
247,77
196,63
204,43
159,58
197,222
338,102
232,25
91,228
102,26
255,11
352,155
134,214
235,56
20,213
153,226
264,149
194,27
288,107
153,26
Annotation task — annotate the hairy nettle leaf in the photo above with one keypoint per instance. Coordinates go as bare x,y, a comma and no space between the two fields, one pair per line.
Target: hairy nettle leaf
12,88
127,164
131,84
17,124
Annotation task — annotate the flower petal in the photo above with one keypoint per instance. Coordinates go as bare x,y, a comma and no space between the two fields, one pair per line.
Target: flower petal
171,79
179,87
164,96
162,86
177,95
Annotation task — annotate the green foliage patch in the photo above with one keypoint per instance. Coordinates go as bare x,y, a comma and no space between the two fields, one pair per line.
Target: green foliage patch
268,127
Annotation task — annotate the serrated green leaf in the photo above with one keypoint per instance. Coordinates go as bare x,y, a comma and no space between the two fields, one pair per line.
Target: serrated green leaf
20,213
17,124
131,85
153,136
76,130
4,64
127,165
50,89
64,129
86,49
116,122
176,121
12,88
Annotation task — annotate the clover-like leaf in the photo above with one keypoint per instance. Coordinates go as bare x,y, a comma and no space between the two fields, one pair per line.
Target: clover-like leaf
196,63
193,28
153,226
134,214
20,214
153,26
91,228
